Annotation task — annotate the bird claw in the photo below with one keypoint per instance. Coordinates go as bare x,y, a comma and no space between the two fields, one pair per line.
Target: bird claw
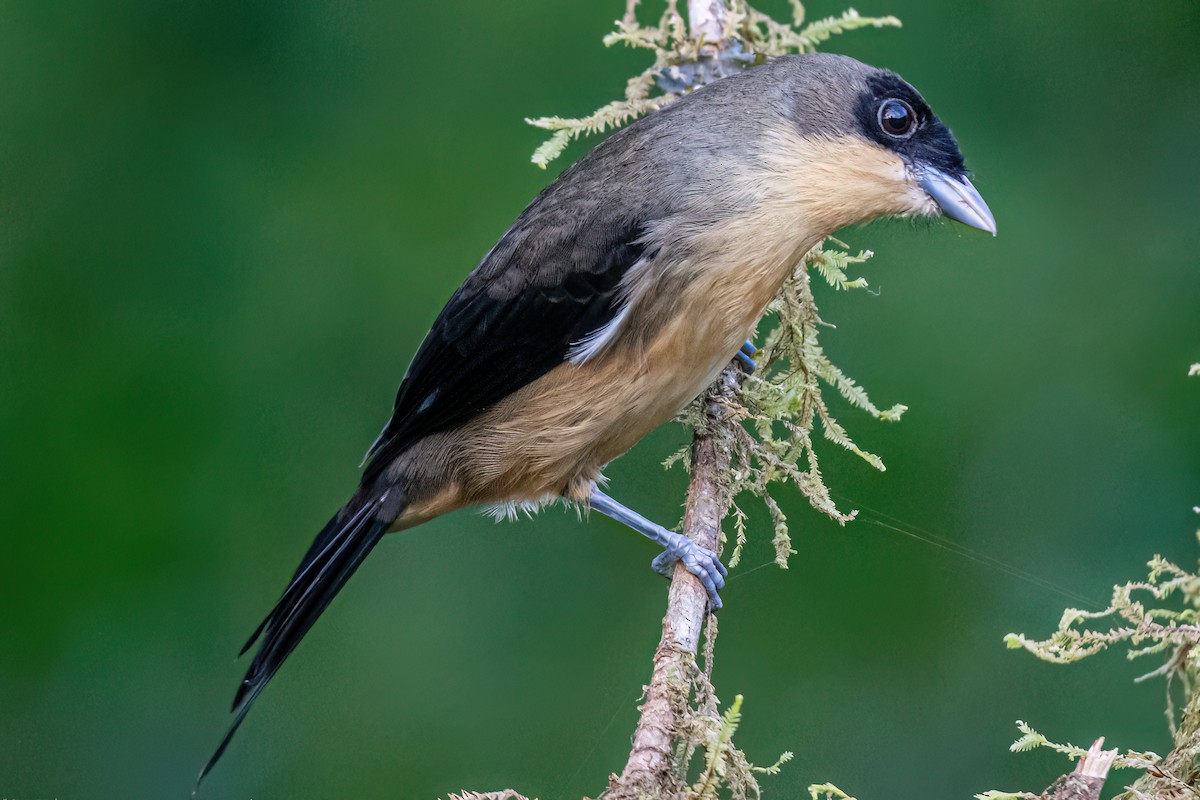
700,561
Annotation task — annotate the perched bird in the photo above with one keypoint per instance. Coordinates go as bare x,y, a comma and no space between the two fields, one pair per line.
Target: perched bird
616,297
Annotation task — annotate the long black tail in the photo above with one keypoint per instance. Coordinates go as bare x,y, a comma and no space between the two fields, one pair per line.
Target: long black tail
333,557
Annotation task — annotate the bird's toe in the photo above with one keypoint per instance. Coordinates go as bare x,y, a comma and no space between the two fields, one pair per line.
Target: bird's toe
700,561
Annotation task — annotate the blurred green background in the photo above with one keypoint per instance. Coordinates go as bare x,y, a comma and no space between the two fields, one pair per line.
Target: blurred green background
225,227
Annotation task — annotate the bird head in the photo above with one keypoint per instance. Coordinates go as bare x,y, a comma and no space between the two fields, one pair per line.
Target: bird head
863,143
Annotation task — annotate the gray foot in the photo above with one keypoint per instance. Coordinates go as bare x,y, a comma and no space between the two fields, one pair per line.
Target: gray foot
700,561
743,355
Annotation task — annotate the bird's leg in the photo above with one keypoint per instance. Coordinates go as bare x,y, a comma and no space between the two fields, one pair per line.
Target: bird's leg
744,355
700,561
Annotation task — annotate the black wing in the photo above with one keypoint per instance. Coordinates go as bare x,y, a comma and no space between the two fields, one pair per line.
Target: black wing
512,321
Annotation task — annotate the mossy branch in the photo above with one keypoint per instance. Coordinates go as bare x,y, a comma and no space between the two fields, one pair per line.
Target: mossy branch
1160,614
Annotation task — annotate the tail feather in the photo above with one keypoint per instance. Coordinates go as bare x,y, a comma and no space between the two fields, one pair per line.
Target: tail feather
319,552
332,558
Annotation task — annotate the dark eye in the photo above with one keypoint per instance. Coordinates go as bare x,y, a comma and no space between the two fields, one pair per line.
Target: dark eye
897,118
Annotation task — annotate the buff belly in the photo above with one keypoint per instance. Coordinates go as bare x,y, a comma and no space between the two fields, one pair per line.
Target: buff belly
552,437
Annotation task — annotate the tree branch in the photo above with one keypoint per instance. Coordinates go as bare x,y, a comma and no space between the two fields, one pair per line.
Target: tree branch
652,768
706,20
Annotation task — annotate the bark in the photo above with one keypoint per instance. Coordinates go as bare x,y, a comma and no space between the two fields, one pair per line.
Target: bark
1087,780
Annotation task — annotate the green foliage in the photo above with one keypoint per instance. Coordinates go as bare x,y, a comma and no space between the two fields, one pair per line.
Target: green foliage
1032,740
1160,614
1155,615
682,63
765,35
827,791
781,405
671,45
725,765
717,752
1146,629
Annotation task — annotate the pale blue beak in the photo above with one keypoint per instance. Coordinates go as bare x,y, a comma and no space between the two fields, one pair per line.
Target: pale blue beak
958,199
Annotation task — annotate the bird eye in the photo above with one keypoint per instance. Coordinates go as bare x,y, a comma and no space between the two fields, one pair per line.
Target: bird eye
897,118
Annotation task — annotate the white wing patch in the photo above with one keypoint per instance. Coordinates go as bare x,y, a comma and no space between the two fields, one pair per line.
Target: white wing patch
597,340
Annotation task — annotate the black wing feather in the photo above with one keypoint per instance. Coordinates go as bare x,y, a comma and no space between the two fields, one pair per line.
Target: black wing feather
488,342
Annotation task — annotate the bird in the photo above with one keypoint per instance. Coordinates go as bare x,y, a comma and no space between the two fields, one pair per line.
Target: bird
615,298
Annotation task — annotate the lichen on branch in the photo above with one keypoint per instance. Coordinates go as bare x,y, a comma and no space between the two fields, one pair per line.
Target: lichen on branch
1141,617
1160,614
682,63
782,403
